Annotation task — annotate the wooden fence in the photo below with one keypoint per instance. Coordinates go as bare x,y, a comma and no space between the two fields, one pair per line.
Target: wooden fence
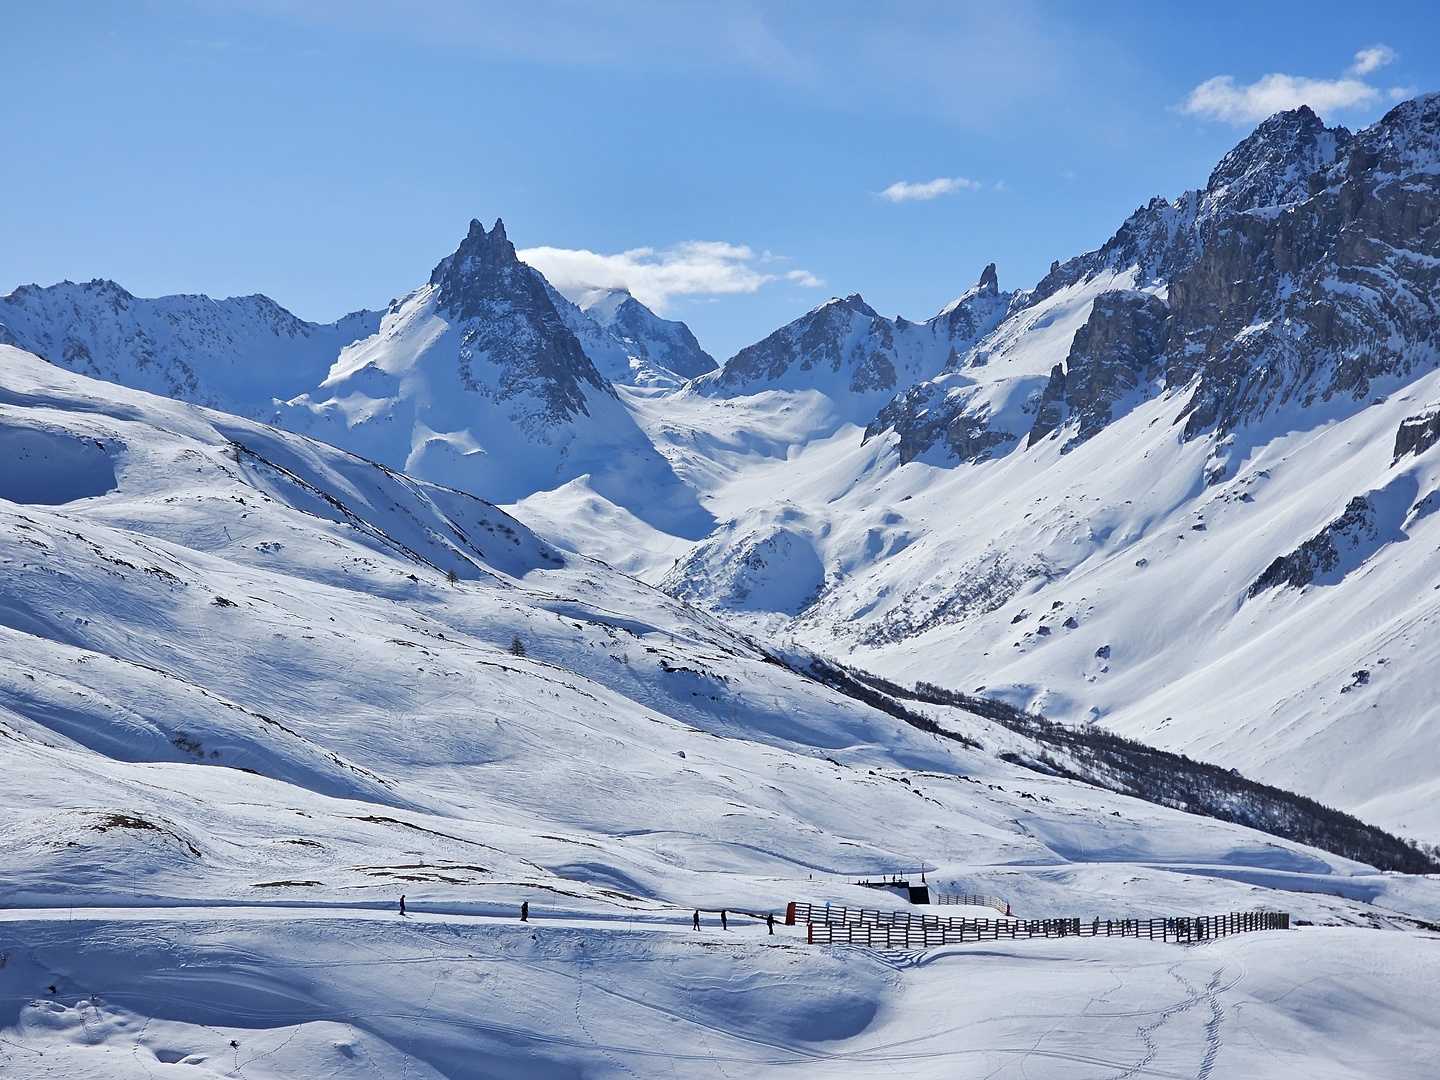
923,932
811,913
971,900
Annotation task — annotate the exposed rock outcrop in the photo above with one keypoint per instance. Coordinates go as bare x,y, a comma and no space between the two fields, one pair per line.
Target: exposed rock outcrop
1417,433
1306,270
1322,553
1120,347
510,322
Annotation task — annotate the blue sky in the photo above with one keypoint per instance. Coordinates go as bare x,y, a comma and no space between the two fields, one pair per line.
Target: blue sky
729,161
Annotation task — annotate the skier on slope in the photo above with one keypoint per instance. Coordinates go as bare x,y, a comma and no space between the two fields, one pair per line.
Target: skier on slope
402,903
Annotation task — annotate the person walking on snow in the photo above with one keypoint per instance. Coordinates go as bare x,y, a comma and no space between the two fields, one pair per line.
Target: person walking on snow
770,921
724,924
402,903
525,911
697,918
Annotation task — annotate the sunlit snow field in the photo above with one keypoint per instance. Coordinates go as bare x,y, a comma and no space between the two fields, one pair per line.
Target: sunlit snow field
257,689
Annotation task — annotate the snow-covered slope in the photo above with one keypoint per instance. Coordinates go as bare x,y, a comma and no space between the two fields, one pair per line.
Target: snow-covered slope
256,688
1106,508
1241,366
629,342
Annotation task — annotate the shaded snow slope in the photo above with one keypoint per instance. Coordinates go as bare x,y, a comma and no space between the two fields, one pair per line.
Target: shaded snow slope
637,345
222,994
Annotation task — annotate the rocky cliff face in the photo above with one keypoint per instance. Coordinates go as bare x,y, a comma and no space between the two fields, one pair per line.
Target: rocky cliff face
1417,433
1307,270
514,343
1273,166
1120,349
1322,296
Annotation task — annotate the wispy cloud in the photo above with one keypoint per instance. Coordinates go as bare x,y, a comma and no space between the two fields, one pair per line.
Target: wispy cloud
905,191
1221,99
1371,59
705,268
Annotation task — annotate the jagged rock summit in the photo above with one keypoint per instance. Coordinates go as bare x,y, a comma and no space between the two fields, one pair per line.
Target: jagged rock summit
476,380
513,324
485,378
1304,271
856,357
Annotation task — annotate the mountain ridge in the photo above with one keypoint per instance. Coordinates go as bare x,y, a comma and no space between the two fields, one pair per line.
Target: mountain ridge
1201,396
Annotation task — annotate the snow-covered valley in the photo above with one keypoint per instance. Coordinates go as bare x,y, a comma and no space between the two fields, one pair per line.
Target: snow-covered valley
259,686
258,689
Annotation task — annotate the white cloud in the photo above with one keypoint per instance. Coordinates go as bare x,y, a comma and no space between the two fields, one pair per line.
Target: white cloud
904,191
693,268
1221,99
1368,60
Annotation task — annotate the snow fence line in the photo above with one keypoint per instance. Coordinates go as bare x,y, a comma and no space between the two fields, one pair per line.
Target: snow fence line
926,931
973,900
797,912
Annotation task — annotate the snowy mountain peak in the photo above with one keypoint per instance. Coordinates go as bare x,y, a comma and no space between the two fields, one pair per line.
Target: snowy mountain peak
1273,165
600,303
483,266
854,302
630,343
238,354
987,289
479,380
1405,140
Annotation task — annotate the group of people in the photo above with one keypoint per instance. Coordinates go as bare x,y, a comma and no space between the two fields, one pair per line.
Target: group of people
725,920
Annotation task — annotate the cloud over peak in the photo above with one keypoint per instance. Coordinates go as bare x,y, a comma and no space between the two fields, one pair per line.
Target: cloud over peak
656,276
905,191
1368,60
1221,99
